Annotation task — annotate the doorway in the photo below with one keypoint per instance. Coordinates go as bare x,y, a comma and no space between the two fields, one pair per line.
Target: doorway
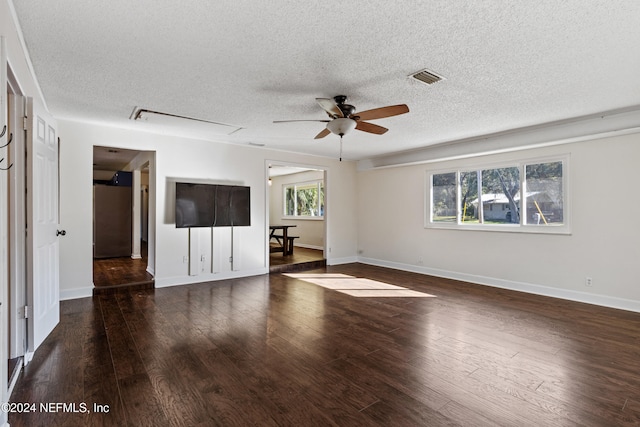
296,197
122,248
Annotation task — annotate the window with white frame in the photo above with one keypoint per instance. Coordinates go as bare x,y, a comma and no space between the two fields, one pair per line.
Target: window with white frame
304,200
522,196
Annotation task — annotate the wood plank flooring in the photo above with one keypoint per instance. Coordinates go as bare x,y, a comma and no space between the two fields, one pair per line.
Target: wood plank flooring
113,274
301,259
278,351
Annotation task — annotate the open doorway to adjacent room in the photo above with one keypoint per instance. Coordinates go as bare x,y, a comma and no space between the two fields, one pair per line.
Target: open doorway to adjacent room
121,246
297,217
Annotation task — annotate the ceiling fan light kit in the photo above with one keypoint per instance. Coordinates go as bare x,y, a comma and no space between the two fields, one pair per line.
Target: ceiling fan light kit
343,117
341,126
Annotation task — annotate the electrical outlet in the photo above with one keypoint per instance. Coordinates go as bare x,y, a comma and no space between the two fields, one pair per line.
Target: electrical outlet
588,281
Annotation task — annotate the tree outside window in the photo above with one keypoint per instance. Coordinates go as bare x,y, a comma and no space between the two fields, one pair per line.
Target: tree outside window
304,199
443,193
526,194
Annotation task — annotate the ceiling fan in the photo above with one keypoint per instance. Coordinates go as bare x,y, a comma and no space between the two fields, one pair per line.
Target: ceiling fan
343,117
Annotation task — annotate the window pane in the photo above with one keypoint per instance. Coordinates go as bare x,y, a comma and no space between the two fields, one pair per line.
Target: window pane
469,197
501,198
501,195
304,199
307,198
544,194
289,201
443,205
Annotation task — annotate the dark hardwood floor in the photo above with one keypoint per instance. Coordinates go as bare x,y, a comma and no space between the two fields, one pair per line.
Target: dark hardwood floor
274,350
113,274
299,255
301,259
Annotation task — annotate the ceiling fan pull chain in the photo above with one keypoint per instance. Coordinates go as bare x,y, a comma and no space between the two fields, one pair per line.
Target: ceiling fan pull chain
340,147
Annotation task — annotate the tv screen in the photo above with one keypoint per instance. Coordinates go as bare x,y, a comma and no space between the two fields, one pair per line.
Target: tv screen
210,205
240,206
223,206
195,205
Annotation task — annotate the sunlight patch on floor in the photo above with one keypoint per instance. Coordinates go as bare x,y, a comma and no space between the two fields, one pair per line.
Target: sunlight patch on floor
358,286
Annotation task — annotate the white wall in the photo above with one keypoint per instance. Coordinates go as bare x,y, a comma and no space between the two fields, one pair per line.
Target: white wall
310,231
187,159
603,243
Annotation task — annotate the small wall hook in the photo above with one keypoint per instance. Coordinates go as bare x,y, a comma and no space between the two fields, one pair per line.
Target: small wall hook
5,169
4,131
9,141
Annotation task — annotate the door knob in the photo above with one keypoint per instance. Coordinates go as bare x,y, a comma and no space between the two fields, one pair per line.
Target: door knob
61,232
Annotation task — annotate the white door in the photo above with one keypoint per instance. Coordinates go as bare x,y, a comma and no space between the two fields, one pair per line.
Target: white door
42,225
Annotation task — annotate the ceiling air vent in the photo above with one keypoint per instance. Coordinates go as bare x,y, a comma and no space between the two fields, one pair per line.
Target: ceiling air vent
427,77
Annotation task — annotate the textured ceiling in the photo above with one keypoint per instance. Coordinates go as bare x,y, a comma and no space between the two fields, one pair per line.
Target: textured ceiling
507,64
112,159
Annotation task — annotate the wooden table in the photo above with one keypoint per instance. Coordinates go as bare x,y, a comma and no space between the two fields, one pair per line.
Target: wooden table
284,244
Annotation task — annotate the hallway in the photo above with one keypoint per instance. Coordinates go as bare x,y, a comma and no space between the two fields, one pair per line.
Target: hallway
110,274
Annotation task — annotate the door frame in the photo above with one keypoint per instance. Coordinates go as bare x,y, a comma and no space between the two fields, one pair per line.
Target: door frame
327,215
14,289
4,238
16,328
145,160
17,238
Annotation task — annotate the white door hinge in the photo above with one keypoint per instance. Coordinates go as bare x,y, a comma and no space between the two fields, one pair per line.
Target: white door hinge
26,311
25,122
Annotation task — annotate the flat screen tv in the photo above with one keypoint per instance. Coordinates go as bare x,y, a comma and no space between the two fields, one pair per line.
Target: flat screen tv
211,205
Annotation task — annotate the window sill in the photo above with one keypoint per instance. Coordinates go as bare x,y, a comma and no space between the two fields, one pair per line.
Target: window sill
516,228
303,218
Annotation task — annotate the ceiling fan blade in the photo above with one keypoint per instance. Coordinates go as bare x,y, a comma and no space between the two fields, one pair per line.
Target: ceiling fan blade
289,121
382,112
322,134
329,105
371,128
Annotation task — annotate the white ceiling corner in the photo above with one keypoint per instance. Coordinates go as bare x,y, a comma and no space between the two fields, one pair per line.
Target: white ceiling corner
507,65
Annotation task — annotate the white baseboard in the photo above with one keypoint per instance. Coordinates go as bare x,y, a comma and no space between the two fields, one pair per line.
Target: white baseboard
344,260
66,294
531,288
151,271
188,280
